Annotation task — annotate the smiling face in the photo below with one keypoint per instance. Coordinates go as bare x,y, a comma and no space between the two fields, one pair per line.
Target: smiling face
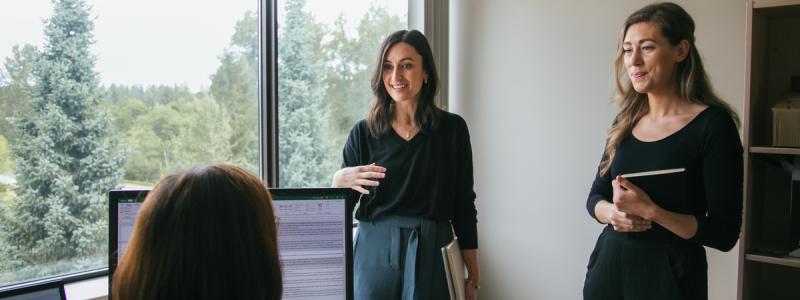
403,74
650,59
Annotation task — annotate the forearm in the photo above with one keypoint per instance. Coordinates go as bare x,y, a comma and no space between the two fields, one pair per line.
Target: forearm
473,265
601,211
683,225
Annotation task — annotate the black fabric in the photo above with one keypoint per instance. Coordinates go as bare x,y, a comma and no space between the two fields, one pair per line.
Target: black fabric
624,267
711,151
429,176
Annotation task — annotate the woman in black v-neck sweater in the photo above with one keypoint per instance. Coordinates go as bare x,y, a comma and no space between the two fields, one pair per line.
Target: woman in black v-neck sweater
669,118
412,162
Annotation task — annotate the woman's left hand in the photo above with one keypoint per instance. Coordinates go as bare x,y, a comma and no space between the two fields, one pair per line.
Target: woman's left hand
629,198
471,291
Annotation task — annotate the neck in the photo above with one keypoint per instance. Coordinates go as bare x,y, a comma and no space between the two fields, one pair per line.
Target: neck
665,103
405,112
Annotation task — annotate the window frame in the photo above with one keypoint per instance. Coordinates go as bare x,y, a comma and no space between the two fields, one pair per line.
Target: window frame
431,17
434,22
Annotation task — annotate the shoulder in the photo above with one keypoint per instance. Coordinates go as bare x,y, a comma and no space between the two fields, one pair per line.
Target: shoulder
717,118
452,120
359,129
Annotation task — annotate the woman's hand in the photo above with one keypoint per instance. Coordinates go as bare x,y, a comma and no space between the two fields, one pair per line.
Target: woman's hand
358,177
471,291
630,199
474,273
608,213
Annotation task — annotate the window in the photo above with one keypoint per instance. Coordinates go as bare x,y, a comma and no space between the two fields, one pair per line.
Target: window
326,52
115,94
168,84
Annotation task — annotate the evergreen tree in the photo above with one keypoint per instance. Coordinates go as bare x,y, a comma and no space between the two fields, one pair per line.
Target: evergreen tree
65,156
303,147
350,72
235,87
15,78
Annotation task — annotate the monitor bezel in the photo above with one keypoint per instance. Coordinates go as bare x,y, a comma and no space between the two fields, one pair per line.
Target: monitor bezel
113,200
350,197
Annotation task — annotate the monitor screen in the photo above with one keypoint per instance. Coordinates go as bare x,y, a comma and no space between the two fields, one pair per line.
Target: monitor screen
53,290
315,242
314,238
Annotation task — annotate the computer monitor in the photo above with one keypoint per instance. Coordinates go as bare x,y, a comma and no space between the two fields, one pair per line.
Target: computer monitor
315,242
123,208
47,290
314,238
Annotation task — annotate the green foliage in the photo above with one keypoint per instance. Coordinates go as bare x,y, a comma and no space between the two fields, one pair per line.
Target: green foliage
235,87
353,58
176,136
306,156
15,78
5,156
65,155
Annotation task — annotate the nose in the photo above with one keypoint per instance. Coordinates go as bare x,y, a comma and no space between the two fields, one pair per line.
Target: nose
396,74
636,57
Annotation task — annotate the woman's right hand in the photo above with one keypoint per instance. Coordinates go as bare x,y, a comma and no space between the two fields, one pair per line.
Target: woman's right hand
358,177
621,221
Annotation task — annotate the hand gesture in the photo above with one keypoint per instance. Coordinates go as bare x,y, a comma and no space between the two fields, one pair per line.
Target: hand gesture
358,177
630,199
624,222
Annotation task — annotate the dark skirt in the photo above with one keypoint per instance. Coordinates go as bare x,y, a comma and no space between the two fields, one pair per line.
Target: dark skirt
635,266
400,258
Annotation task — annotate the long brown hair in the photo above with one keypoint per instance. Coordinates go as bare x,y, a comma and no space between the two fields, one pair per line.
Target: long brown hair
379,119
693,83
207,233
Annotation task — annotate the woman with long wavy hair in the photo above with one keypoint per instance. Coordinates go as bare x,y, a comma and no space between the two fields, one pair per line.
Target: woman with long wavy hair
669,118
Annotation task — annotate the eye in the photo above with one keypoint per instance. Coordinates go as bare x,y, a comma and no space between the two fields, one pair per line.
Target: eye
627,50
649,48
387,66
406,66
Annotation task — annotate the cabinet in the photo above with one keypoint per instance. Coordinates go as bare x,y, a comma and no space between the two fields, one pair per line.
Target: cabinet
772,197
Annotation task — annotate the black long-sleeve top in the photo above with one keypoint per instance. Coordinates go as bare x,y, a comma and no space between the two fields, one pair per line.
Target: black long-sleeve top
429,176
711,151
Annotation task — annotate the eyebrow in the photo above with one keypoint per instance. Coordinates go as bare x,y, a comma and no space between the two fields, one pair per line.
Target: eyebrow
640,41
404,59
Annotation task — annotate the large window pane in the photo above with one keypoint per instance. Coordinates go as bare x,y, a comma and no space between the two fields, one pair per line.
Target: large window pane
326,51
112,94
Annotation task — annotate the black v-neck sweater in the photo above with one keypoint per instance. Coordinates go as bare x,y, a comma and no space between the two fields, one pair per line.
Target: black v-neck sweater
429,176
711,151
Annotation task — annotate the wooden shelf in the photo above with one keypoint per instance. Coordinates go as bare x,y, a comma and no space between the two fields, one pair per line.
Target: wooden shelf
774,3
784,261
775,150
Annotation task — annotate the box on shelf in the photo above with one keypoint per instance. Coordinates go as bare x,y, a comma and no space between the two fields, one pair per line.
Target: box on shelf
786,118
786,124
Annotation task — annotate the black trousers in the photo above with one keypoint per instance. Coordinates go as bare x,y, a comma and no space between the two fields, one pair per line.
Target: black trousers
632,267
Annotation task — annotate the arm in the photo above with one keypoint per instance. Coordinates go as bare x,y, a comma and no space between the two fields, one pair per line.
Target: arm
723,171
607,213
473,271
354,173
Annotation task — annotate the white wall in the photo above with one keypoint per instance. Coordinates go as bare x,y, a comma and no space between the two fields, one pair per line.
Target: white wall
534,79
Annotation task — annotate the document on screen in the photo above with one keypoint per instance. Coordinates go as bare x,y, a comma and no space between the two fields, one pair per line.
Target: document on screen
311,239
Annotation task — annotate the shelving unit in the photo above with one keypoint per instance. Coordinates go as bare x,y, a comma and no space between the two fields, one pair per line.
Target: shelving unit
773,56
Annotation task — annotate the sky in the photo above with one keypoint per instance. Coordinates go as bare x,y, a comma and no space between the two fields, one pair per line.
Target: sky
168,42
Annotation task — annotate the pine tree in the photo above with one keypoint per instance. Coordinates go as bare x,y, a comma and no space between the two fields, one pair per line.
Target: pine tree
65,155
303,147
235,87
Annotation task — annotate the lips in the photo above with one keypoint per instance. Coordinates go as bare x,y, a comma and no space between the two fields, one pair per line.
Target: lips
637,75
398,86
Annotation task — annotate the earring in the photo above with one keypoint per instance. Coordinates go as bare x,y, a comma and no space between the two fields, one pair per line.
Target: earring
425,81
